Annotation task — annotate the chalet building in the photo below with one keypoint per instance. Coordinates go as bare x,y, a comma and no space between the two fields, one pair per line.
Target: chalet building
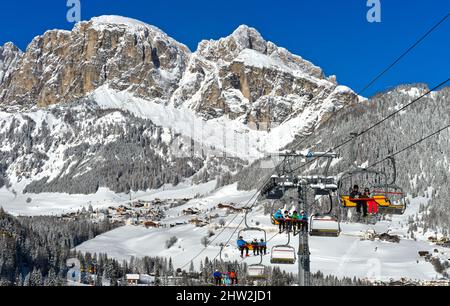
198,222
191,211
139,279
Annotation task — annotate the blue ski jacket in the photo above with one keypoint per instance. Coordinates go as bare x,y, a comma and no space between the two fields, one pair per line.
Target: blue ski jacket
241,243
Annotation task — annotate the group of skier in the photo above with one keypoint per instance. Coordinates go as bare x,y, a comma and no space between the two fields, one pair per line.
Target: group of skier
368,205
229,278
291,221
259,247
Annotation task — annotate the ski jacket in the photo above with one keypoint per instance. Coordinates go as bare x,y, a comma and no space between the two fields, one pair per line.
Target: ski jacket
355,195
241,243
278,215
295,216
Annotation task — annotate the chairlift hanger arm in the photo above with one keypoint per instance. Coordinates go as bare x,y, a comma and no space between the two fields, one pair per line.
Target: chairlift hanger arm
304,154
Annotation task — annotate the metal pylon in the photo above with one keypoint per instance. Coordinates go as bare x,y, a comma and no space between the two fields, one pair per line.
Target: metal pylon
304,269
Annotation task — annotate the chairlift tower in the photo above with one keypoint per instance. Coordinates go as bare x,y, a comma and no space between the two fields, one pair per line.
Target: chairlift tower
302,183
304,269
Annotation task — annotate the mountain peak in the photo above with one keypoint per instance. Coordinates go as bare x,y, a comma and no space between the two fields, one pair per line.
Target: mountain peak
10,46
246,32
10,55
108,20
229,47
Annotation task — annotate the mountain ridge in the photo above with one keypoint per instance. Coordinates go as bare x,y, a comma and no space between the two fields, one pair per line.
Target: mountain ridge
62,66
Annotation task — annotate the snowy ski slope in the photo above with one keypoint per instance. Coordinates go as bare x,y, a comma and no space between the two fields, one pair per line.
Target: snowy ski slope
343,256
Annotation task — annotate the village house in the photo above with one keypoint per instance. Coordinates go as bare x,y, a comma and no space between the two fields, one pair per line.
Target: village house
133,279
151,224
230,207
191,211
139,279
198,222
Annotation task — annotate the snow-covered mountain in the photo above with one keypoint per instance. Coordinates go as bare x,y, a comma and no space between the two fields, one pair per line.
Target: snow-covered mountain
117,103
62,66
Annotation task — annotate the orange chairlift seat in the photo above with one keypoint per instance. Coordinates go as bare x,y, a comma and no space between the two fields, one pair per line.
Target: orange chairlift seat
381,200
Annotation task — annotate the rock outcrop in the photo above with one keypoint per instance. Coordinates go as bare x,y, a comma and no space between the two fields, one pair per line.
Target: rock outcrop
62,66
9,57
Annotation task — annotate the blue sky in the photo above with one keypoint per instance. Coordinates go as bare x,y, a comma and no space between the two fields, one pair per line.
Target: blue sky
334,35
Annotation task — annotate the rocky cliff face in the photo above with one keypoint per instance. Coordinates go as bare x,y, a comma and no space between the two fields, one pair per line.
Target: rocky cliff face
243,76
62,66
9,57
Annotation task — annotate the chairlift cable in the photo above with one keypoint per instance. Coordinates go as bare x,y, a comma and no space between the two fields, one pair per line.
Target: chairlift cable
411,145
389,67
405,53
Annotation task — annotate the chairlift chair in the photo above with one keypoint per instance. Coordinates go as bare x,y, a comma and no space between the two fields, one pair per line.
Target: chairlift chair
325,224
249,237
256,271
365,178
283,254
393,193
275,193
385,198
395,197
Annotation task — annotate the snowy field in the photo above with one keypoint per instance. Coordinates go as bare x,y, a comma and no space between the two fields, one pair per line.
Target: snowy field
223,134
60,203
347,255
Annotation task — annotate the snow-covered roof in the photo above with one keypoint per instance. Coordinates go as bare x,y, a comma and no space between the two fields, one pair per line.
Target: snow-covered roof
133,277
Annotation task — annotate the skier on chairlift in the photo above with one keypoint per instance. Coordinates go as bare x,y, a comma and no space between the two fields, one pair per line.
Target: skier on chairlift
217,278
263,247
255,246
372,206
287,221
355,194
242,245
295,217
226,281
303,221
233,277
280,219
